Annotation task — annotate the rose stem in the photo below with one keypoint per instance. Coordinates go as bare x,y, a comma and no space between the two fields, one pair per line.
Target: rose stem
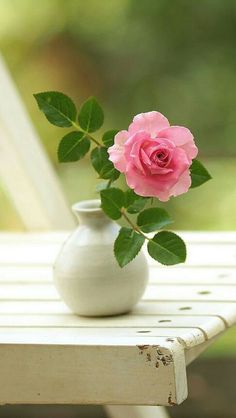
135,227
86,133
109,184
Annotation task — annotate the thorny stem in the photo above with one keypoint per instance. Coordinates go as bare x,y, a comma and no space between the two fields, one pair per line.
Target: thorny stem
135,227
86,133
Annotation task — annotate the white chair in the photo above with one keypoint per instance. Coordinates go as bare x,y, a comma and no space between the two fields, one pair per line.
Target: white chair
25,170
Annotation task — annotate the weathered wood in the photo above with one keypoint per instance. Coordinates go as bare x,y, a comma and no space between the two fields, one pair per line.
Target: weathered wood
92,374
138,358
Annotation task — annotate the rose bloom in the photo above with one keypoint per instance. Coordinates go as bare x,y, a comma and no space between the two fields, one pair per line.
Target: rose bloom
154,156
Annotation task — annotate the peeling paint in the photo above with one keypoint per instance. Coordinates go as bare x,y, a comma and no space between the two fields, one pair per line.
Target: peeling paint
143,347
165,359
170,402
149,358
155,360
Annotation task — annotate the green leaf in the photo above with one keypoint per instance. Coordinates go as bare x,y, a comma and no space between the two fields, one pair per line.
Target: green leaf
199,174
167,248
133,202
73,147
91,115
127,245
153,219
101,163
108,137
57,107
112,200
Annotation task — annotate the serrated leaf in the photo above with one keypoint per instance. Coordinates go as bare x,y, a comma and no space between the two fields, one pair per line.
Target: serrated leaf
112,200
73,147
58,108
199,174
108,137
153,219
91,115
127,245
133,202
101,163
167,248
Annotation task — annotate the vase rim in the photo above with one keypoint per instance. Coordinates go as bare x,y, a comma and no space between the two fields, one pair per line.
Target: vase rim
91,205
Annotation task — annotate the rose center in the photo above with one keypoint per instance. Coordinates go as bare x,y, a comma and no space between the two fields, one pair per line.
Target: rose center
162,158
161,155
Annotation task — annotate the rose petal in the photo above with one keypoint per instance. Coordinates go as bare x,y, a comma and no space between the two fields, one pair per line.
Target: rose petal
182,185
132,148
116,151
151,122
182,137
164,184
146,186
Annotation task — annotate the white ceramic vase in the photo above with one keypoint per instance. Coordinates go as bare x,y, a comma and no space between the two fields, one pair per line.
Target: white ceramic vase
86,273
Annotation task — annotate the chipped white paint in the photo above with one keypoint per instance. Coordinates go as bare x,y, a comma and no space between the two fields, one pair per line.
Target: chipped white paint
48,355
87,373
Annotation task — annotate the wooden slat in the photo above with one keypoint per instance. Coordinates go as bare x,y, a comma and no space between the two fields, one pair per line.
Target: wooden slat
189,337
209,325
28,292
47,291
86,374
227,310
188,276
41,252
25,274
172,275
201,254
213,237
28,254
33,307
191,293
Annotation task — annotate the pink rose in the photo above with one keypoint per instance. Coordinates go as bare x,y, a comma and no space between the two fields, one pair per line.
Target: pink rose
154,156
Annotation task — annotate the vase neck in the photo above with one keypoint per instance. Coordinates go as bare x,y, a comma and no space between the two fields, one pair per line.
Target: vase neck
89,212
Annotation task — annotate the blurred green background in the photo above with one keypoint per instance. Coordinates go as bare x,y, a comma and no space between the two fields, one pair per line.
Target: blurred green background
177,57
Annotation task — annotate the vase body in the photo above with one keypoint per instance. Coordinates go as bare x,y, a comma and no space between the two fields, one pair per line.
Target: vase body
86,273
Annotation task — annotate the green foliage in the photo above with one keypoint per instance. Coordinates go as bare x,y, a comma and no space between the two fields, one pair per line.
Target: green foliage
127,245
108,137
73,147
153,219
133,202
112,200
101,163
58,108
199,174
167,248
91,115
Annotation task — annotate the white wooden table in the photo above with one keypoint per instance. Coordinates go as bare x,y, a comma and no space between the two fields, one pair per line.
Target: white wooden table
48,355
